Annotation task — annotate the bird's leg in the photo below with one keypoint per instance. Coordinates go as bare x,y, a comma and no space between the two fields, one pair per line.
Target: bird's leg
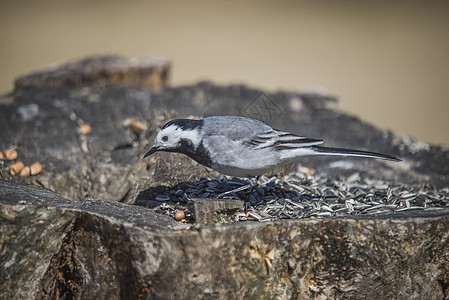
252,182
251,185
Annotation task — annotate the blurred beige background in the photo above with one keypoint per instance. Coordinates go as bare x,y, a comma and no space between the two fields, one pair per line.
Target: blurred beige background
387,61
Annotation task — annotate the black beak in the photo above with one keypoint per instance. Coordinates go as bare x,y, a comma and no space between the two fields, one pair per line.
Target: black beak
152,150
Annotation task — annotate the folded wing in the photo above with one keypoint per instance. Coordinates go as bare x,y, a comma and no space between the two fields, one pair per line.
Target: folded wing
280,140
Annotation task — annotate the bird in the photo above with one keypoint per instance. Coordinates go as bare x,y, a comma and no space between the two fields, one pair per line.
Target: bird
241,146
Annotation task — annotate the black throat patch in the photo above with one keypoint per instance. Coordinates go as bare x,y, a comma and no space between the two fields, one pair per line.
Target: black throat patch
200,154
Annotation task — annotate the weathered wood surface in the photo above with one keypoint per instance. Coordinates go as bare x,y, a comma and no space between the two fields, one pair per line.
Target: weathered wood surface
55,248
79,241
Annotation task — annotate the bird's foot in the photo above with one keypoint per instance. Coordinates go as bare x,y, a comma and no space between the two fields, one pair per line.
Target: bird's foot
251,185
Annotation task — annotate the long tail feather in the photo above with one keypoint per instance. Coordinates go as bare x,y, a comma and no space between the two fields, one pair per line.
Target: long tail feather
352,152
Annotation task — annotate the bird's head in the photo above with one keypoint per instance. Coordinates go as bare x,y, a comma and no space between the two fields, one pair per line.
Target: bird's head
180,135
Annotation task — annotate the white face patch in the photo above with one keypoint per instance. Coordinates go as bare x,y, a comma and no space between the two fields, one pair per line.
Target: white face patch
169,138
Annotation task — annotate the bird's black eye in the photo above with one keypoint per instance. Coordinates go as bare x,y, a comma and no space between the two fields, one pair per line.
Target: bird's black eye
165,138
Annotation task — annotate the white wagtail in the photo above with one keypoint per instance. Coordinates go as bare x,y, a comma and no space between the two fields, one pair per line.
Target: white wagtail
241,146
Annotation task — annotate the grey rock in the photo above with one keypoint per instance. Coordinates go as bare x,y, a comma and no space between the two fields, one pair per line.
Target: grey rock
215,211
56,248
58,241
147,73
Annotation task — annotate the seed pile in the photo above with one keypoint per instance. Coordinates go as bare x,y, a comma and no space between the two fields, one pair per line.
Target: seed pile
304,196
